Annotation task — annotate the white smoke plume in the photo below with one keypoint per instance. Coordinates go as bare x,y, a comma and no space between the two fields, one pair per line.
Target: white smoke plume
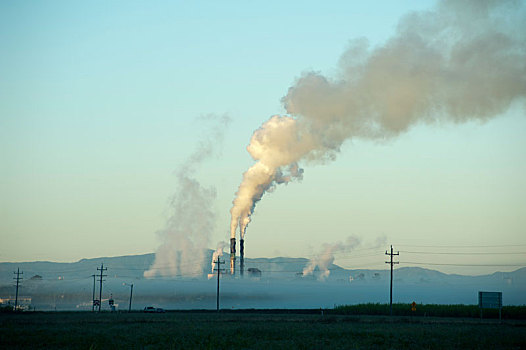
186,235
217,253
325,259
464,60
380,241
270,146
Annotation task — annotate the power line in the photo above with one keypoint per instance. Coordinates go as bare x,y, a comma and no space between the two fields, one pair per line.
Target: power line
464,246
450,264
466,253
60,280
357,256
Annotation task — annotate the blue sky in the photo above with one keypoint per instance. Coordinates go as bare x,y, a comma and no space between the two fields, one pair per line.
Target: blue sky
98,108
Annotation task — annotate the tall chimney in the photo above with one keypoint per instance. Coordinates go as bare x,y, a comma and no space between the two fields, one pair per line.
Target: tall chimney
241,256
232,255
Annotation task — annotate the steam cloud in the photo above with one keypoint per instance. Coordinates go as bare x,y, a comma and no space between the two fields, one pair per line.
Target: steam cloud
326,258
186,235
465,60
217,253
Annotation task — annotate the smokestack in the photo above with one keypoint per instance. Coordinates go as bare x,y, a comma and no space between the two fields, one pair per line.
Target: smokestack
232,255
242,256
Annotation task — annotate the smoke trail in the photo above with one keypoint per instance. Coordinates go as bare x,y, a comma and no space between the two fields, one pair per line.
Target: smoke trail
274,166
186,235
465,60
326,258
380,241
217,253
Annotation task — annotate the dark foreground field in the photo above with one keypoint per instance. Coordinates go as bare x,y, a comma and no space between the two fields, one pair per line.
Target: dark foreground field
209,330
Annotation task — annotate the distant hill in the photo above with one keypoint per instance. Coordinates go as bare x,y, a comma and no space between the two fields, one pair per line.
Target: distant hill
274,283
133,266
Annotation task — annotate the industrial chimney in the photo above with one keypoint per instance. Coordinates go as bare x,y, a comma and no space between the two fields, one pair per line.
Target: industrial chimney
232,255
241,256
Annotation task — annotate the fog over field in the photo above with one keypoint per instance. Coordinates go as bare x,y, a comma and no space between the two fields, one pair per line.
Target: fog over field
280,283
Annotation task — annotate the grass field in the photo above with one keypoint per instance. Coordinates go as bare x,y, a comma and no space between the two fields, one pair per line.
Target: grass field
252,330
432,310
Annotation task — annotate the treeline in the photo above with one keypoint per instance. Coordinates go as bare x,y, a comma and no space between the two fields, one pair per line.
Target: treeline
431,310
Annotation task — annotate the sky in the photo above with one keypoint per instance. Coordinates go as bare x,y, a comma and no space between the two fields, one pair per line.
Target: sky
102,102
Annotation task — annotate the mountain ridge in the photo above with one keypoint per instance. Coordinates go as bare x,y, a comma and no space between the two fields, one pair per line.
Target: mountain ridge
271,283
271,265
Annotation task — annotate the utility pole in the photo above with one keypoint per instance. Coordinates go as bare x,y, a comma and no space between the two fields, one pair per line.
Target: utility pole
131,294
93,295
218,269
17,278
102,268
391,290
